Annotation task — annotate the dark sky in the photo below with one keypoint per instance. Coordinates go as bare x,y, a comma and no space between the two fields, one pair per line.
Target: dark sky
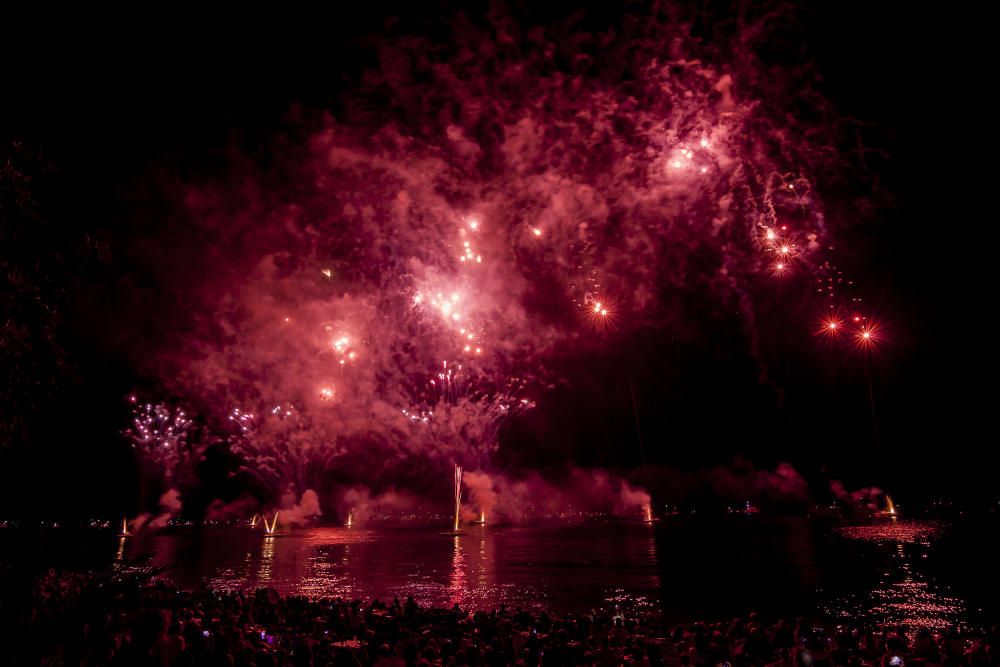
104,105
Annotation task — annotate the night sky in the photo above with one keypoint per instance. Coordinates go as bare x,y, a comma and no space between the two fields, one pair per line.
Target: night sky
109,122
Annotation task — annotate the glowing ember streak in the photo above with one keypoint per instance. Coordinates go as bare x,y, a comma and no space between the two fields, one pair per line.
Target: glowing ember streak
350,517
124,532
269,528
648,513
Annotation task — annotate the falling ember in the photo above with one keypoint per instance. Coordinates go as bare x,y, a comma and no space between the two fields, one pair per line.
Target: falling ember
458,496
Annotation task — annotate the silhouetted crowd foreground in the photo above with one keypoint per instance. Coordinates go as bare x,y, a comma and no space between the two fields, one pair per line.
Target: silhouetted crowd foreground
158,625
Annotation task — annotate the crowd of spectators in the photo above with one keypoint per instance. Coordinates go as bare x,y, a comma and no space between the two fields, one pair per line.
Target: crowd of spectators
158,625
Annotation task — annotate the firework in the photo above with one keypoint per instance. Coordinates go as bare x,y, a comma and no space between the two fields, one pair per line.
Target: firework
164,435
461,413
403,297
282,449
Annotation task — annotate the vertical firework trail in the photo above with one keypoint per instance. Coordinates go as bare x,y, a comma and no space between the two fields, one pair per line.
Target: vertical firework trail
458,497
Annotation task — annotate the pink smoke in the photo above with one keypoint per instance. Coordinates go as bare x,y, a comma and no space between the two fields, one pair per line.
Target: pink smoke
169,506
299,513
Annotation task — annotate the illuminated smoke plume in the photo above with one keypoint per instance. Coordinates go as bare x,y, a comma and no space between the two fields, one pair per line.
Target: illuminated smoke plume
303,511
742,481
366,507
169,507
739,481
383,297
481,494
577,494
236,510
864,499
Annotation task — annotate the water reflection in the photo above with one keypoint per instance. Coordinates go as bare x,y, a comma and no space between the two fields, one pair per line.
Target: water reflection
266,559
904,593
457,583
488,565
120,554
696,569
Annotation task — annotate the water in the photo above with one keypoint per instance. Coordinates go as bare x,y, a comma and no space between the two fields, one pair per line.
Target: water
921,573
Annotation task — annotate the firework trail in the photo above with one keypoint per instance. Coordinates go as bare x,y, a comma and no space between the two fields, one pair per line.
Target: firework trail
458,497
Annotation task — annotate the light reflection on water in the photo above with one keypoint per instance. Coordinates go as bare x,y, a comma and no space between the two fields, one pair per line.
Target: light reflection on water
885,572
904,594
564,566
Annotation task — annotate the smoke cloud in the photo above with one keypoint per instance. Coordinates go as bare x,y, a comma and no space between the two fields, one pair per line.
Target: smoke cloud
169,507
380,298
